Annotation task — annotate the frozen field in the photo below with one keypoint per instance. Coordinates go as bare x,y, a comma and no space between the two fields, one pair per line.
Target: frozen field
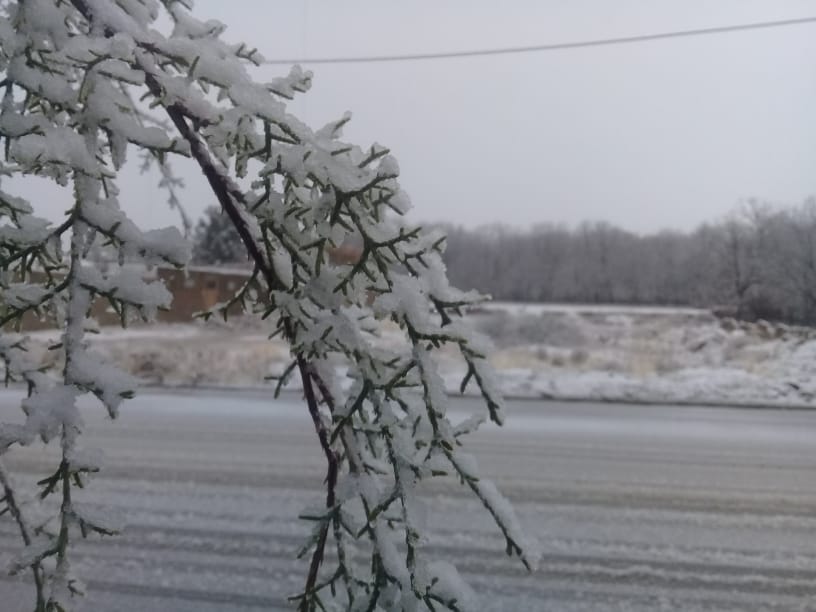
637,508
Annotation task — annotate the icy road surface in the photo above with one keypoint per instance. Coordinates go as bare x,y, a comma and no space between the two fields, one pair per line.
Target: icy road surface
636,507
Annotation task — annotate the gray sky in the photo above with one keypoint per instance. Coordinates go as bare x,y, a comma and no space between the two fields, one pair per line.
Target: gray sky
663,134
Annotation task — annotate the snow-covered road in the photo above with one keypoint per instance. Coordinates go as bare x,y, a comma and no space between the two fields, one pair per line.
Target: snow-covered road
636,507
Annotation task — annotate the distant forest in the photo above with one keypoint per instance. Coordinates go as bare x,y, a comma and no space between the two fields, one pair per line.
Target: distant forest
759,262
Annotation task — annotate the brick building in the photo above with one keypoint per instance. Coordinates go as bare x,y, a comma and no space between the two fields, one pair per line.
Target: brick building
199,288
194,289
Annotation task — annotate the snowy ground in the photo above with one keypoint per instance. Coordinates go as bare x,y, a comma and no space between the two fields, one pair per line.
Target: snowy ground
631,354
678,355
636,508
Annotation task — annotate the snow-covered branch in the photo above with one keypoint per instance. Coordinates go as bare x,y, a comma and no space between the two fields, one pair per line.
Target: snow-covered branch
72,70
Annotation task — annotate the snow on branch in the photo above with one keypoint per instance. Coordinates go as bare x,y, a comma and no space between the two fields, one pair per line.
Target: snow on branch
72,70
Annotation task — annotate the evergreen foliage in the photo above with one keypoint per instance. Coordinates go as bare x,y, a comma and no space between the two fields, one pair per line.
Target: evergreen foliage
88,81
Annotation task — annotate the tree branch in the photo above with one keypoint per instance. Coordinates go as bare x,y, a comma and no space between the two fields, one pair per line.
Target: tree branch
10,499
307,603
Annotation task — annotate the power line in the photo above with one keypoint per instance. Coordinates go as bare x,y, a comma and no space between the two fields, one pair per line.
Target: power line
602,42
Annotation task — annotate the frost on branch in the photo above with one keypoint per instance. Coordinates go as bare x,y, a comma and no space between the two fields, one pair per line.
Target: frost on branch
73,69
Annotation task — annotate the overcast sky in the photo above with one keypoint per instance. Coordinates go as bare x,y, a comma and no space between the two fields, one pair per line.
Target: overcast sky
655,135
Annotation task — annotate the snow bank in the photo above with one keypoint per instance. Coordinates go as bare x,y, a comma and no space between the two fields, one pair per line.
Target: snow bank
542,351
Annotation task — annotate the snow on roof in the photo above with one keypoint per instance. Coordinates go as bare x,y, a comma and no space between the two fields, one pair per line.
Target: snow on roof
150,271
230,270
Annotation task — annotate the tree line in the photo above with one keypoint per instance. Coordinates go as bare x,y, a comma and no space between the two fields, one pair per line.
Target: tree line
758,262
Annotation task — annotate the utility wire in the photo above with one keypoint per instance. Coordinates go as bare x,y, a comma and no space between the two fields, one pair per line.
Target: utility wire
602,42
